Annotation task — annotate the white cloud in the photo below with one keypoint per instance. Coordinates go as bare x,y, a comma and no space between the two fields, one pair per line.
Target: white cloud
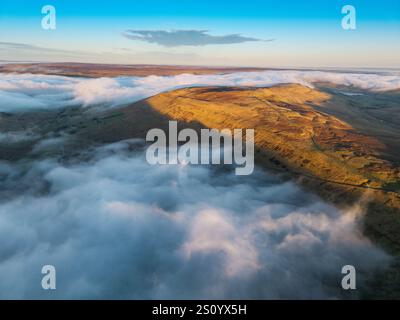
116,227
212,231
24,92
16,136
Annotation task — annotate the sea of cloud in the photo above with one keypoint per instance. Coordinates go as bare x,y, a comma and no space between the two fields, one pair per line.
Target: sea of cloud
27,91
116,227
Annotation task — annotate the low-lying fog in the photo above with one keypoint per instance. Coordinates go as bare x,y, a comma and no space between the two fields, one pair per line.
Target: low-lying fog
116,227
19,92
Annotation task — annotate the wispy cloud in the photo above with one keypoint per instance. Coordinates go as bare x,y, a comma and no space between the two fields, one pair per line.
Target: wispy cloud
28,52
177,38
30,47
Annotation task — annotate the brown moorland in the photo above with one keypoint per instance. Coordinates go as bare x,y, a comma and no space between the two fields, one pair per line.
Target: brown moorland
93,70
295,134
342,147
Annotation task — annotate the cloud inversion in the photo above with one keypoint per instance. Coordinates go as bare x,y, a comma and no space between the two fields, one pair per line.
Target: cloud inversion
27,91
116,227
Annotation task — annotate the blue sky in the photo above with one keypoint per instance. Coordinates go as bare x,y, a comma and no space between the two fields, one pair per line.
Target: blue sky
305,33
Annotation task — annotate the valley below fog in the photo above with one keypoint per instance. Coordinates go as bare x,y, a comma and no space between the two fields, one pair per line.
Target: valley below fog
76,191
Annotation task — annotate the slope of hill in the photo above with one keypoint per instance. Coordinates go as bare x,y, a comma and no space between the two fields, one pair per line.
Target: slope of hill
295,132
342,147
